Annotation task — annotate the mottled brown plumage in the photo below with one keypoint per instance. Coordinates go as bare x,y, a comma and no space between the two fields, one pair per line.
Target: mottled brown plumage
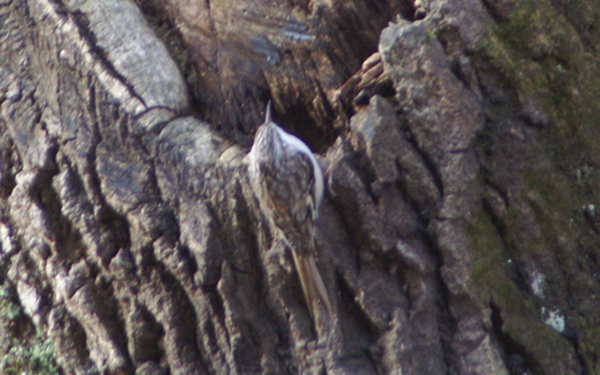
288,181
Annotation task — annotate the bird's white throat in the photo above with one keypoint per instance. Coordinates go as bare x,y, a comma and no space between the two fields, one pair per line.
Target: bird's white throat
294,143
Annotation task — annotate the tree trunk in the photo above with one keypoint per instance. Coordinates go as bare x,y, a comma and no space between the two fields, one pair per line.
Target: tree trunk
458,234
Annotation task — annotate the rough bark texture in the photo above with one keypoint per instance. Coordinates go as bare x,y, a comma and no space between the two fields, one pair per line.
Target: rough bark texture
459,234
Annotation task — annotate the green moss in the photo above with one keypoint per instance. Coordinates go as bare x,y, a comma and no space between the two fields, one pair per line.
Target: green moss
20,351
490,261
540,55
8,309
519,324
35,359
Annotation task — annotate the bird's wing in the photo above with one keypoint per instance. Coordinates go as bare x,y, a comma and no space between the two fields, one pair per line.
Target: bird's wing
293,203
291,193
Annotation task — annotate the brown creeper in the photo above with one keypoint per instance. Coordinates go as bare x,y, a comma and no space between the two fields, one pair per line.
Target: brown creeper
288,182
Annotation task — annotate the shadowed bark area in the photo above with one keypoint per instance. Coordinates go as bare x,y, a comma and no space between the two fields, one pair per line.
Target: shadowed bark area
458,235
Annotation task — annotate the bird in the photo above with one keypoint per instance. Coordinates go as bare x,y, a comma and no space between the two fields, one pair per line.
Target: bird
288,182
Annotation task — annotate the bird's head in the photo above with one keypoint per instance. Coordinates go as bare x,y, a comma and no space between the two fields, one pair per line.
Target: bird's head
275,147
267,136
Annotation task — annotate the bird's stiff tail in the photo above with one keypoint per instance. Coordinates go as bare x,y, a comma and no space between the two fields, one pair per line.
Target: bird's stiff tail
312,283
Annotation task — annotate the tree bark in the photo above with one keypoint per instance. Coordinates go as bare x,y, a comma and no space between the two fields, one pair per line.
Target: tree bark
458,234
